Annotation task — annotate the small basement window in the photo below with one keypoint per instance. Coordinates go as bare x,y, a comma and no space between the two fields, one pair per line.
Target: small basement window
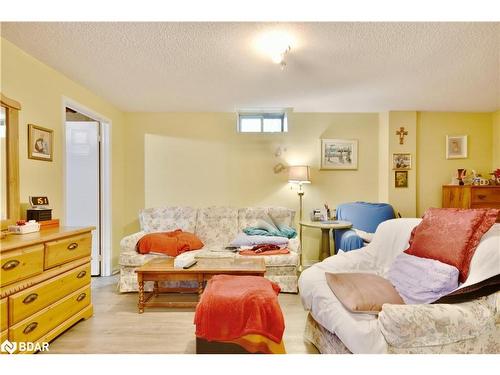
262,122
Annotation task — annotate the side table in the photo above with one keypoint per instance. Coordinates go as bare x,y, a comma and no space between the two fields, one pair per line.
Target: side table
325,227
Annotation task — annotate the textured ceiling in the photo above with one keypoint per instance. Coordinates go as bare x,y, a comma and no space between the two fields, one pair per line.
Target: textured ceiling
332,67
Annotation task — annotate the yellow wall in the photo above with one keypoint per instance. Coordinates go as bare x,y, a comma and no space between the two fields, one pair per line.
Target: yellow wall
40,90
383,158
403,199
434,169
496,141
199,159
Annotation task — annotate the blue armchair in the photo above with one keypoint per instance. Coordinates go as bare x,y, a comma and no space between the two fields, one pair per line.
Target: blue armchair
363,216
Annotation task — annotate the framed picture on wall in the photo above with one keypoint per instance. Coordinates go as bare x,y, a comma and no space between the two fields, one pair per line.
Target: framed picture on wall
339,154
401,179
401,161
456,146
40,143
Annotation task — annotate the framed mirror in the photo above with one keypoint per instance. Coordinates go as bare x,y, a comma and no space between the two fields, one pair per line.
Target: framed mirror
9,160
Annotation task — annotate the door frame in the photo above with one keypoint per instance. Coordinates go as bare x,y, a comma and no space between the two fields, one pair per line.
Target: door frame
105,176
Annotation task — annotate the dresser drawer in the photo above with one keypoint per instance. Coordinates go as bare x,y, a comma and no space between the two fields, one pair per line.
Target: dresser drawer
67,249
486,195
3,314
49,318
31,300
21,264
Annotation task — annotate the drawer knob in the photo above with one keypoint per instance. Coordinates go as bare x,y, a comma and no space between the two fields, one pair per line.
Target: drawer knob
81,274
30,328
81,297
11,264
481,196
30,298
72,246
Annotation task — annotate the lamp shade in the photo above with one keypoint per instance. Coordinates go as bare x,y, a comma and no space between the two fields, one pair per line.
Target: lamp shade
299,174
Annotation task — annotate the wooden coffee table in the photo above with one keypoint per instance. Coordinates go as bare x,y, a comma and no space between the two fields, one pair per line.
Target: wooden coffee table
158,270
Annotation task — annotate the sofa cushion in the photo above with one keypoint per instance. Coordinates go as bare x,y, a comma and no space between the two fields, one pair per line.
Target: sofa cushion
451,235
217,226
134,259
282,216
281,260
166,219
250,216
243,239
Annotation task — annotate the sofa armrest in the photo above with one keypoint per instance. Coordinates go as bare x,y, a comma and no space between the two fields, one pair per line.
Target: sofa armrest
294,245
408,326
128,243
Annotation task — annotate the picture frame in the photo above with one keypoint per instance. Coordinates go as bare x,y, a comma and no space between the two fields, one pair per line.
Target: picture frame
401,179
456,146
401,161
40,143
339,154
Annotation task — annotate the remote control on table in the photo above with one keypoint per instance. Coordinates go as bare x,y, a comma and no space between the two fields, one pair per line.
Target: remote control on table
190,264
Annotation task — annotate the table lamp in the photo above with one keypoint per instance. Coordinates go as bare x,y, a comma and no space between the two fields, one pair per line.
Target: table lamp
299,174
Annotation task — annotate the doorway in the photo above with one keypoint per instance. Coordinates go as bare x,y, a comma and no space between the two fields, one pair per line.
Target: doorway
86,180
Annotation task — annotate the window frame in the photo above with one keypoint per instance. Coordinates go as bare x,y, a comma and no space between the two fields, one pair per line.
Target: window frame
263,116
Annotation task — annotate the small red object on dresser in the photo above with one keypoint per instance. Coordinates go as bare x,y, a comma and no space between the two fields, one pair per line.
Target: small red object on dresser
21,222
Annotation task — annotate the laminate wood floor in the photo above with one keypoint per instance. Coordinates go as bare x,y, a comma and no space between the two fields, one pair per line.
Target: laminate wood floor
116,327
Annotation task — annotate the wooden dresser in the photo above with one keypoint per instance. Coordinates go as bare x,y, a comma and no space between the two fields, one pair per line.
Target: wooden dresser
471,196
44,283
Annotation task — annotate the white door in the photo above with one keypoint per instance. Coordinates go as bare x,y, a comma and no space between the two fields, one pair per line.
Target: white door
82,181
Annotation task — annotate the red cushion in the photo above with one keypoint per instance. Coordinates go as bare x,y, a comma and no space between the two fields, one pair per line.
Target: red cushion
169,243
451,235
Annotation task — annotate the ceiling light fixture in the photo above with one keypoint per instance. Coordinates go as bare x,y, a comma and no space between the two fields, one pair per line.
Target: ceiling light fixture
276,45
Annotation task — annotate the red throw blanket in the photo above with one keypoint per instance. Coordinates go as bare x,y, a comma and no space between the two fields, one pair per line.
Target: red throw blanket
267,252
265,249
234,306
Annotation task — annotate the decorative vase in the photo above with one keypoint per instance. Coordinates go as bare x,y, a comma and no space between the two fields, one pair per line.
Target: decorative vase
460,176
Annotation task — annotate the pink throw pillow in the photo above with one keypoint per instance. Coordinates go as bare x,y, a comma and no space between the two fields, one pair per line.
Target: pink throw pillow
451,235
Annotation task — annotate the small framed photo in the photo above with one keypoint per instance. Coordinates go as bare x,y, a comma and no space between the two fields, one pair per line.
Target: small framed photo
339,154
401,179
401,161
456,146
40,143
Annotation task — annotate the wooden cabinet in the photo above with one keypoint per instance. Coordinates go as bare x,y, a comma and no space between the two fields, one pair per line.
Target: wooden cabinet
471,197
44,283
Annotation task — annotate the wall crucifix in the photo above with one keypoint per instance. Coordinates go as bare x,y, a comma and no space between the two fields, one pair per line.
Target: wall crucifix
401,132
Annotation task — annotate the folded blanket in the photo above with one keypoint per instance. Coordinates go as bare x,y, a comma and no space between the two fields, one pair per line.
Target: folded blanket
283,231
243,239
234,306
421,280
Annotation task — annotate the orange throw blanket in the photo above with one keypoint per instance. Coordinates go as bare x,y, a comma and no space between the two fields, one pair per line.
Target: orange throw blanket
169,243
234,306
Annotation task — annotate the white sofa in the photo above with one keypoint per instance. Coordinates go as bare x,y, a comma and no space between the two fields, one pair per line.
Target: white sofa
216,227
467,327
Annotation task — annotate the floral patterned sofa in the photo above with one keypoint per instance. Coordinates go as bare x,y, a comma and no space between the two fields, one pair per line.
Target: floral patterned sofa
216,227
466,327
